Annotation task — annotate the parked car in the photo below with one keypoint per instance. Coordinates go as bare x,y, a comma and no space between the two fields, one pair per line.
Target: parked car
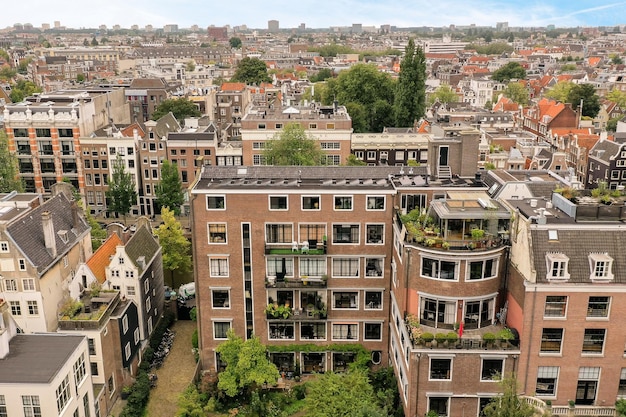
187,291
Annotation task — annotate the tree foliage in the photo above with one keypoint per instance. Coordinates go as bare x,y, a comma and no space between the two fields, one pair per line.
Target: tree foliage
560,91
352,160
618,97
235,42
121,193
292,146
322,75
180,108
332,50
587,94
517,92
510,71
169,191
496,48
9,167
22,89
247,366
251,71
7,73
176,247
410,94
348,394
443,94
508,403
611,125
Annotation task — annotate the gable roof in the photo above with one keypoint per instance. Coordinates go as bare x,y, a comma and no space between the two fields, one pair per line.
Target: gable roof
142,243
233,87
102,257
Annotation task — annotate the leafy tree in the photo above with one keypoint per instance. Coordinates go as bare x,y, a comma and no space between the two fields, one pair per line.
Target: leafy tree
611,125
560,91
191,403
386,388
7,73
247,366
349,394
80,78
235,42
590,100
508,403
4,55
618,97
85,42
568,67
323,74
511,70
292,146
616,59
409,103
352,160
94,41
180,108
517,92
620,407
496,48
251,71
23,89
359,115
98,234
169,191
121,193
444,94
176,255
9,167
190,66
332,50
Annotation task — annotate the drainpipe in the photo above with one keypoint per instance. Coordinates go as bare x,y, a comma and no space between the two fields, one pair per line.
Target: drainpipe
418,356
530,338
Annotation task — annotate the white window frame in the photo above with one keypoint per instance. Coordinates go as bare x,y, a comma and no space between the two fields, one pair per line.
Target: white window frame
32,307
355,334
547,307
351,260
221,289
440,357
28,284
222,196
269,202
548,372
358,242
288,323
319,203
213,242
351,197
10,285
366,305
4,246
495,268
382,237
136,335
557,267
377,323
219,258
230,326
356,307
595,259
382,267
438,277
367,203
482,366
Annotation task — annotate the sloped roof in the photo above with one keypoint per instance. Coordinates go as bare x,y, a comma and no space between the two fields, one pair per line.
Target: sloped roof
27,232
102,257
142,243
166,124
604,149
233,87
153,83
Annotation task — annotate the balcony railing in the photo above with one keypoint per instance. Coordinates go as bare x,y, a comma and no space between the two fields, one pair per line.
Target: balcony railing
281,281
295,249
567,411
295,314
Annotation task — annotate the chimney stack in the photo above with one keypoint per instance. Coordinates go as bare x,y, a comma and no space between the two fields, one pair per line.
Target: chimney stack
48,233
75,215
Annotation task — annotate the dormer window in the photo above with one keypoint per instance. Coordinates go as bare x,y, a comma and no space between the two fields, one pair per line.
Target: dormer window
601,267
556,265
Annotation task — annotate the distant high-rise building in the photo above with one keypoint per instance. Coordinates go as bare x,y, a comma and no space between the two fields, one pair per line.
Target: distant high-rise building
502,26
302,26
272,25
385,28
102,27
218,33
170,28
149,28
357,28
57,24
45,26
116,27
134,27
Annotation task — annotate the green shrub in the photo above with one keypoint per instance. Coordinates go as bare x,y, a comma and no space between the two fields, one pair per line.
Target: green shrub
194,339
440,337
427,337
452,337
489,337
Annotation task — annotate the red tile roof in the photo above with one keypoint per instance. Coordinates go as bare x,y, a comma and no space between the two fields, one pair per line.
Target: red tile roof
233,87
102,257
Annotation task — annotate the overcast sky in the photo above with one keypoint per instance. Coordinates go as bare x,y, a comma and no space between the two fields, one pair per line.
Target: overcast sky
315,14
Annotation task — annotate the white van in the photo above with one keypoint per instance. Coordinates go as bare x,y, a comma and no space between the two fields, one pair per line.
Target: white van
187,291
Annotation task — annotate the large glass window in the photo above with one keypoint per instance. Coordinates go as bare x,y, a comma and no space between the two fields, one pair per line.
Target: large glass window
556,306
439,405
346,299
593,341
345,331
277,267
217,233
218,267
598,307
31,405
551,340
441,368
483,269
437,313
279,233
281,331
217,202
345,267
346,233
63,394
315,267
376,202
313,331
375,233
374,267
278,202
373,331
311,202
438,269
343,202
547,380
373,300
220,298
492,369
220,328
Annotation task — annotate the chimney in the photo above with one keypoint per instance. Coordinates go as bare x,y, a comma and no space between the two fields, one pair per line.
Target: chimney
75,215
48,233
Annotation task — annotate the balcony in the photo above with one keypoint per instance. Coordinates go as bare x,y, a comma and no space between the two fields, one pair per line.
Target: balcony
90,313
295,248
282,281
275,312
567,411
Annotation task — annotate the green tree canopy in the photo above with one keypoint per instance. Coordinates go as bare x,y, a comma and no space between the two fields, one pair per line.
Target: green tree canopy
22,89
587,94
180,108
611,125
332,50
235,42
348,394
247,366
409,101
292,146
251,71
323,74
169,191
618,97
508,403
495,48
352,160
176,247
517,92
511,70
9,167
121,193
560,91
444,94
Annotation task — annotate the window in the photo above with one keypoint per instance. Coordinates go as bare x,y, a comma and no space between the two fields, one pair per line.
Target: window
86,405
3,406
345,331
80,372
130,290
485,269
330,145
598,306
92,346
279,267
315,267
130,274
281,331
16,308
375,233
547,379
440,368
217,202
551,340
593,341
127,350
261,126
375,202
621,389
373,331
258,145
556,306
311,202
22,267
148,304
10,285
217,232
218,267
258,160
32,407
94,368
600,265
4,247
492,369
63,394
345,267
587,385
312,125
434,268
136,335
279,233
371,154
374,267
439,405
557,266
373,300
343,202
220,298
33,308
313,331
124,324
399,156
346,233
346,300
220,328
278,202
312,232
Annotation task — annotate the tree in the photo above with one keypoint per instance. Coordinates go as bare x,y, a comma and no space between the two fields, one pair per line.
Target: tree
410,95
352,160
347,394
169,191
180,108
190,66
247,366
235,42
9,167
23,89
585,93
121,193
444,94
94,41
323,74
517,92
292,146
560,91
511,70
508,404
7,73
176,255
618,97
611,125
616,59
251,71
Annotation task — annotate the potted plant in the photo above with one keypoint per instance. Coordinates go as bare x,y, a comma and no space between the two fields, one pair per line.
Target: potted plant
549,404
452,338
505,335
441,339
430,242
478,234
445,245
432,413
428,337
571,403
126,390
489,339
